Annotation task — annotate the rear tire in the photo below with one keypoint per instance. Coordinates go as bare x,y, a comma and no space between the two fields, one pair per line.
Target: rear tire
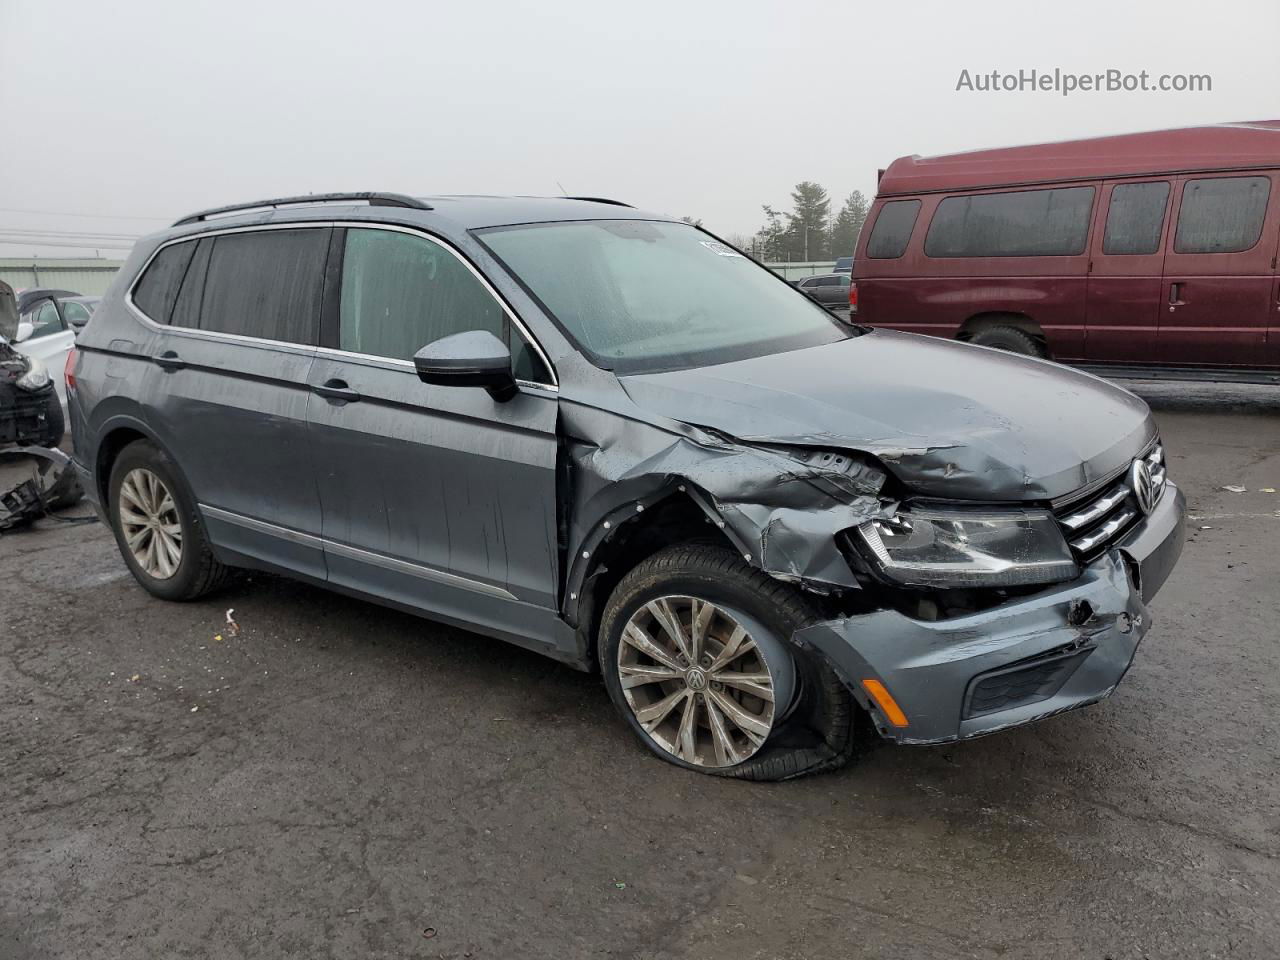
157,526
1010,339
807,727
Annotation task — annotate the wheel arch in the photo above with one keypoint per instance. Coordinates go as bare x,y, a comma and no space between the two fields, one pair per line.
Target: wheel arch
624,538
995,318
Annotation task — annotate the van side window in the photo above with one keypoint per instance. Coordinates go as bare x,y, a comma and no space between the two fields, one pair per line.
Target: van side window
1221,215
1028,223
1135,218
266,284
401,292
157,289
892,230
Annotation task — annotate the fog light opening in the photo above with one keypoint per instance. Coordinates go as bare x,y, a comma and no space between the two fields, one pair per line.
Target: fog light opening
1079,613
892,712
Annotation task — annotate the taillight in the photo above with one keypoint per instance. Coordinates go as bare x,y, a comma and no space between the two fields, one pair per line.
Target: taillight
69,370
853,298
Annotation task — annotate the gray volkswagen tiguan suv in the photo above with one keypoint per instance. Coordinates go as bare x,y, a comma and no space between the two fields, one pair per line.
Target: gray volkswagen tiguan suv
608,436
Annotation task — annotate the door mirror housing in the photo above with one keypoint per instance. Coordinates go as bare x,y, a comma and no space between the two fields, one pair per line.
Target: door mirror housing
24,331
475,358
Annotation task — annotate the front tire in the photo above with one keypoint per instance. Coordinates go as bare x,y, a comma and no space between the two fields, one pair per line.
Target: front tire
696,655
157,527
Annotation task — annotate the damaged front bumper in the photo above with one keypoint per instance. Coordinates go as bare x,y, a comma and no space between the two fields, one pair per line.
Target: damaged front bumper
1027,659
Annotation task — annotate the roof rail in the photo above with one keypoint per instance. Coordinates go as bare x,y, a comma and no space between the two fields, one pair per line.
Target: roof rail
616,203
374,199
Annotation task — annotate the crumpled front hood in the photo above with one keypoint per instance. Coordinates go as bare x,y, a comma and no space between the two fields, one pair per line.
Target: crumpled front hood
948,419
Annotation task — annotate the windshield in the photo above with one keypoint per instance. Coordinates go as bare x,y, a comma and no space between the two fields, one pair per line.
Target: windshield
639,296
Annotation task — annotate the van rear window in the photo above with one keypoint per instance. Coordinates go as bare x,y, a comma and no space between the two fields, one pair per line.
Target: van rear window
892,230
1221,215
1028,223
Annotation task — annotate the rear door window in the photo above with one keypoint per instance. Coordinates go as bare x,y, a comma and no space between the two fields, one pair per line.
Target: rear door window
1222,214
157,289
266,284
1135,218
892,231
1028,223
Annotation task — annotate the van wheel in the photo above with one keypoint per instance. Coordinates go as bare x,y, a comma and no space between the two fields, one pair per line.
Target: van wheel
1011,339
696,655
157,527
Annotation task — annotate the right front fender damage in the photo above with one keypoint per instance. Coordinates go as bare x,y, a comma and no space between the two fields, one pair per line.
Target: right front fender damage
780,506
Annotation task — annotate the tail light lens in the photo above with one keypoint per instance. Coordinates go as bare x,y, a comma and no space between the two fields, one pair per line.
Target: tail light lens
69,371
853,298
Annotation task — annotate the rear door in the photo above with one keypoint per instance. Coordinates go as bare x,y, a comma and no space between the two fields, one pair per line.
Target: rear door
438,498
227,393
1126,272
1219,272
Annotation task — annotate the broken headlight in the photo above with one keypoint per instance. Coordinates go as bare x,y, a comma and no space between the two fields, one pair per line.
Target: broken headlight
36,377
969,548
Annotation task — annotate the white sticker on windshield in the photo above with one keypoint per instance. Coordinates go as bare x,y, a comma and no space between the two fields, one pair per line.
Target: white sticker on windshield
719,248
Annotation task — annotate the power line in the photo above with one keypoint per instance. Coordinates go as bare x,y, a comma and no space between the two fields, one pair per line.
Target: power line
68,234
28,243
91,216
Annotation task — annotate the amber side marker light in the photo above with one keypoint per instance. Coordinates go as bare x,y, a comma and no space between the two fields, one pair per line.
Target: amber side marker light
890,706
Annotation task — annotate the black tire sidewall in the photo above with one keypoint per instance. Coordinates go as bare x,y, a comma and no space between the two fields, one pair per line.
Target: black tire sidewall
182,585
730,592
1009,339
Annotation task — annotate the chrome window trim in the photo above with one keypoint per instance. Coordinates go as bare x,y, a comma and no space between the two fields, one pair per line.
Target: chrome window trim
507,309
356,553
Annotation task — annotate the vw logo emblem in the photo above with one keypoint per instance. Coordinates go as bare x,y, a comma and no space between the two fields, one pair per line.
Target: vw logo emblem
1144,487
696,679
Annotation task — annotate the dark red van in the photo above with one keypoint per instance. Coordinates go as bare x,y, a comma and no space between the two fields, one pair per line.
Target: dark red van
1153,250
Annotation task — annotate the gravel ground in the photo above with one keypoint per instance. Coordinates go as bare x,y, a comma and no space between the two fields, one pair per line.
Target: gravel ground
339,780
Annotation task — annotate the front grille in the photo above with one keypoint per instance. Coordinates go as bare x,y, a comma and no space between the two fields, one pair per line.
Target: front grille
1094,522
1024,683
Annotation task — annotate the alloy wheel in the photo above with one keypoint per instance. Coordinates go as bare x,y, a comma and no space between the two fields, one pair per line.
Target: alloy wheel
150,523
697,681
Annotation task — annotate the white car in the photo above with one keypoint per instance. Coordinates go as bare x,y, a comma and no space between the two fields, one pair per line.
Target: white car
47,324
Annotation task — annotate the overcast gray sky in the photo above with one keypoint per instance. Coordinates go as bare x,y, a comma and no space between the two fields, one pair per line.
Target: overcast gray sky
705,108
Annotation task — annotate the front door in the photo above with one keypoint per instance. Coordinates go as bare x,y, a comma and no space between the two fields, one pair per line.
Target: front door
1218,272
438,498
1126,268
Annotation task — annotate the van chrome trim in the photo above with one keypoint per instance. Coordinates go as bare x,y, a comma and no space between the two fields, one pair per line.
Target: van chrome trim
507,309
356,553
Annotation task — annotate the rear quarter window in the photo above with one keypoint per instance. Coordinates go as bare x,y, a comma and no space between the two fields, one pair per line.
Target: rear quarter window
1222,214
892,230
1026,223
157,289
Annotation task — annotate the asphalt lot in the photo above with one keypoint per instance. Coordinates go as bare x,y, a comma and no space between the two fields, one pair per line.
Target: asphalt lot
339,780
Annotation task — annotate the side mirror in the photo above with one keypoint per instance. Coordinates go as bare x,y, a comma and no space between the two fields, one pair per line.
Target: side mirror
475,358
25,329
78,322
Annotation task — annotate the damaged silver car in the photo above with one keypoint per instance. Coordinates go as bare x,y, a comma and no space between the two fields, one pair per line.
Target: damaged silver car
35,476
612,438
